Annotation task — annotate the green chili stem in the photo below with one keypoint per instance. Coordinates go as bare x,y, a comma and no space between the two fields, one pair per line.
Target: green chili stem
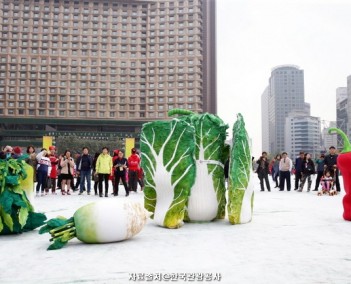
347,144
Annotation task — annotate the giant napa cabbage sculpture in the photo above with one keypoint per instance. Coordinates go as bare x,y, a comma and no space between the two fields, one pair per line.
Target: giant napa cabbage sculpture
207,196
184,159
168,161
240,188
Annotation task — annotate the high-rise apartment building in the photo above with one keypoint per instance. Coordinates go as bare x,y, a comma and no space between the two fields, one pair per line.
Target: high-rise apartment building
102,65
286,94
341,113
302,133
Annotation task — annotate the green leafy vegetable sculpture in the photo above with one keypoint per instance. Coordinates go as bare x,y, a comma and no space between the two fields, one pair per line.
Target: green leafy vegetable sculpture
207,197
240,191
167,149
183,160
16,212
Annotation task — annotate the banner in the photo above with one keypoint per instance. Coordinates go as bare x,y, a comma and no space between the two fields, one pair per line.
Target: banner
130,144
47,142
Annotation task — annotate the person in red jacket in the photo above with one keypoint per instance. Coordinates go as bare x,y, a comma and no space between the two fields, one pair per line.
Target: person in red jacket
53,174
134,167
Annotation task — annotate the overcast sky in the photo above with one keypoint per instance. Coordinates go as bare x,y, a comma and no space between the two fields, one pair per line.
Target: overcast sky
253,36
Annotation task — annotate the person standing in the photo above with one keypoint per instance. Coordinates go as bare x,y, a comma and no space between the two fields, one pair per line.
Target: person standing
67,172
84,166
141,176
43,170
276,170
263,170
285,166
104,169
17,152
53,174
32,160
120,166
298,169
308,169
133,170
59,178
95,176
320,171
330,165
75,186
114,157
6,153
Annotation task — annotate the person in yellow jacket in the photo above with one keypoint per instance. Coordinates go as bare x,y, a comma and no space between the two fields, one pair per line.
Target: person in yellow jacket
104,169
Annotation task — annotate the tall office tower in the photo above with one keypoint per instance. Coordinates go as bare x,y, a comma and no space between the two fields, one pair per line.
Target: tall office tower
102,65
341,112
302,133
265,119
286,94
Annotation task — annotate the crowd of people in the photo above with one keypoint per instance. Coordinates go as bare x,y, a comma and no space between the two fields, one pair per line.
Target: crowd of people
65,173
281,167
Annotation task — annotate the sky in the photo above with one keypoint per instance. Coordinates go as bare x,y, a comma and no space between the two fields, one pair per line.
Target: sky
253,36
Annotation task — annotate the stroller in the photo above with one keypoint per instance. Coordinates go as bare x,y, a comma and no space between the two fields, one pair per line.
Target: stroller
327,183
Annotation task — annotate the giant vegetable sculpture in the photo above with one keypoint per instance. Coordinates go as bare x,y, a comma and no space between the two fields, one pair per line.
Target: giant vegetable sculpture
168,161
344,164
240,199
16,211
207,197
99,222
183,160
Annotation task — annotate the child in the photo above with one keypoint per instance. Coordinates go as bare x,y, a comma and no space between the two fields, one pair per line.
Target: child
327,183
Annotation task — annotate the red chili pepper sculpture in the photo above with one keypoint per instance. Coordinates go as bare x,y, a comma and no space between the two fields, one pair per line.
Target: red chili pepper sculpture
344,164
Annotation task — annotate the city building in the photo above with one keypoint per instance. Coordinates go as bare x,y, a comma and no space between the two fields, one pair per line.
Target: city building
265,119
341,113
302,133
328,139
286,94
102,67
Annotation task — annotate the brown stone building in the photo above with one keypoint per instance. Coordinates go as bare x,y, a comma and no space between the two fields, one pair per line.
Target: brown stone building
103,65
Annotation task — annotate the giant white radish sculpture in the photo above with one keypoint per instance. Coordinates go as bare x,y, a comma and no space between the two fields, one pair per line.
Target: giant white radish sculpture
104,221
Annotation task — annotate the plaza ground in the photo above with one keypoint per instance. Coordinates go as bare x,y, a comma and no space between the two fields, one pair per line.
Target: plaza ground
293,238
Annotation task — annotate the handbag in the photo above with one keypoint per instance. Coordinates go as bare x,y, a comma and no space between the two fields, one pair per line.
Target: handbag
95,177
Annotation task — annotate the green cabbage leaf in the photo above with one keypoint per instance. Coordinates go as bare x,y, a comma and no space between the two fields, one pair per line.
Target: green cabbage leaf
240,190
167,149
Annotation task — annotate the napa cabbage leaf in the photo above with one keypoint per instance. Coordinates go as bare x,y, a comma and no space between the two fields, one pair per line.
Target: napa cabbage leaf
167,149
207,198
240,190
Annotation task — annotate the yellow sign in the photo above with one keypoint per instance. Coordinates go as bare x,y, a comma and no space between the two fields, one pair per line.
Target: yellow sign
47,142
130,144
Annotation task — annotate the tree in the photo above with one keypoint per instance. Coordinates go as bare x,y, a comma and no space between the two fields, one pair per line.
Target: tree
75,144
